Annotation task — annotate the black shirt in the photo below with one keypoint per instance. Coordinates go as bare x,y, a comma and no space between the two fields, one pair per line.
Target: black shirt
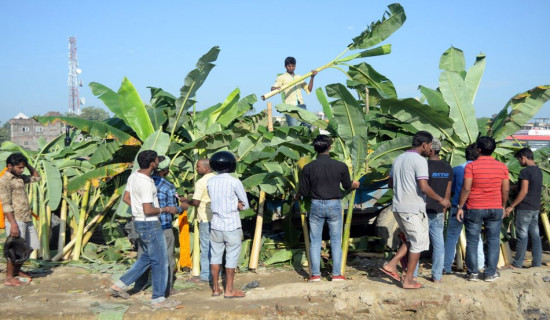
322,177
441,173
533,174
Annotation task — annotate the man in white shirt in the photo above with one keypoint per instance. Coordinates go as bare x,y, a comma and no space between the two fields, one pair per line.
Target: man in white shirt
141,195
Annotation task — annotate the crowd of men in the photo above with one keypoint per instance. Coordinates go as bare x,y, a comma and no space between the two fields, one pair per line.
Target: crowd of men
479,189
476,192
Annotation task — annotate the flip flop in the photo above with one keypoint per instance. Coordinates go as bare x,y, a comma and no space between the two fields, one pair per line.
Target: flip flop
416,286
241,295
166,304
395,276
217,294
20,284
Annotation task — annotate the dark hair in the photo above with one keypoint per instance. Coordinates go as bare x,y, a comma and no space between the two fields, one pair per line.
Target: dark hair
486,145
16,159
421,137
145,158
471,152
321,143
525,152
290,60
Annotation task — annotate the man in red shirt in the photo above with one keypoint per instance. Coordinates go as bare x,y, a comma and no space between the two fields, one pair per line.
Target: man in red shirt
485,193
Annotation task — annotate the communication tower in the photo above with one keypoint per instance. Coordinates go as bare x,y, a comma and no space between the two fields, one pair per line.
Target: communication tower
74,71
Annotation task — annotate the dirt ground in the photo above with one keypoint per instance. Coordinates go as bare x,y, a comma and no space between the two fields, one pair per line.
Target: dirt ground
71,292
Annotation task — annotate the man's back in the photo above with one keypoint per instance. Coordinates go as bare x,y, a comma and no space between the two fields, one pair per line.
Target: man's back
225,193
533,174
487,176
407,168
321,179
441,173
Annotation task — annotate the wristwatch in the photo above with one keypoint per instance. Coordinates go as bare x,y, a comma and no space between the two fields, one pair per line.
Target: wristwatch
458,206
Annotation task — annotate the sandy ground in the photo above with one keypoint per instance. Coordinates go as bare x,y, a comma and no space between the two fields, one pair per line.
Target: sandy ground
67,292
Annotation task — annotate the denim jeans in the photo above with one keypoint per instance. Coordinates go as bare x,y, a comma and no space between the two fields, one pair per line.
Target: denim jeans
527,226
290,121
153,243
331,212
454,228
436,222
473,220
204,234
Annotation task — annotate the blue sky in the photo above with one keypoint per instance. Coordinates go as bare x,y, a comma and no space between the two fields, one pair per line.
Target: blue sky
158,43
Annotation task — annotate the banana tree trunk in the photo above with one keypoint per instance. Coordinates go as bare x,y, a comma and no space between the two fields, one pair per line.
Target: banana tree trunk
345,238
506,252
81,222
63,216
89,229
256,244
460,254
305,230
44,226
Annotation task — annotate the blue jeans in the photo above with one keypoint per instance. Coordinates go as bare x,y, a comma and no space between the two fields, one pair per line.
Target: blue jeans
436,222
331,212
473,220
454,228
153,243
290,121
527,226
204,234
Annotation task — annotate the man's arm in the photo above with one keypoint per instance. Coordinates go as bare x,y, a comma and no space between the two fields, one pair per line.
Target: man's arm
310,85
150,210
448,191
425,187
466,187
126,198
33,171
505,190
521,195
241,195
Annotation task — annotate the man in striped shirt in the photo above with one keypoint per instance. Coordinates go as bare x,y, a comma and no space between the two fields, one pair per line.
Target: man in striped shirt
227,198
485,193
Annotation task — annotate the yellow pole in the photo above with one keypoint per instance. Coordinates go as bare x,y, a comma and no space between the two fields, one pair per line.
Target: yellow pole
257,242
306,236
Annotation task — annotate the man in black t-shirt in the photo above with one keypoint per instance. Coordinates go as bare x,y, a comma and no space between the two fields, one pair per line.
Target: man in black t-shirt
441,179
527,205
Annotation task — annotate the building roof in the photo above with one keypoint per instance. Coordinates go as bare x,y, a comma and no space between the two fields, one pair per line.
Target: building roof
20,115
529,137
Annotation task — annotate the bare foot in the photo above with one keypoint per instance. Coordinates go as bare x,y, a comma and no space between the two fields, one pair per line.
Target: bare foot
13,282
234,294
217,293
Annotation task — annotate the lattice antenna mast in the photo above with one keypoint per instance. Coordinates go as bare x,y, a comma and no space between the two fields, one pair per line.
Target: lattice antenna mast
74,71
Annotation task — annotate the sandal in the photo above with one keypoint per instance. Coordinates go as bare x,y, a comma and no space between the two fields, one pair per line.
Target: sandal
166,304
394,275
120,293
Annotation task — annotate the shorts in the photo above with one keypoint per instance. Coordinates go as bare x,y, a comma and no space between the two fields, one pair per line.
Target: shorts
416,227
231,242
27,232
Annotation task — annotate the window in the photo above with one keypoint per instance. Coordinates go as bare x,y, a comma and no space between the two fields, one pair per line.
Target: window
39,129
25,129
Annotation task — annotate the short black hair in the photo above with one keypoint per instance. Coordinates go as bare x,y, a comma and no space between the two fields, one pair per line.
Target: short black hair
486,145
146,157
290,60
421,137
525,152
471,152
17,158
321,143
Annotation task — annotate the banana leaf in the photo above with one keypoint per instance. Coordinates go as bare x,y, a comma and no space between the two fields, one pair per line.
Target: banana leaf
53,185
522,108
107,171
348,113
301,114
380,30
365,74
94,128
127,105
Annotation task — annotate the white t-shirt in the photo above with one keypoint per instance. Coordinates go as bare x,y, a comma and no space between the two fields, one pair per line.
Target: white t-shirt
142,190
407,168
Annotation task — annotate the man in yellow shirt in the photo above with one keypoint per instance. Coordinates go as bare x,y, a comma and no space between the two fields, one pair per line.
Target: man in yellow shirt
293,94
201,201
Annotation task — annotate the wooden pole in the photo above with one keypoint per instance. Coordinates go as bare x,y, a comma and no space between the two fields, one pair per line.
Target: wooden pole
269,117
196,257
545,224
63,216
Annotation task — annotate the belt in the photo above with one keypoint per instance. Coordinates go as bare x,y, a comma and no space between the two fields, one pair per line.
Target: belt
146,219
326,199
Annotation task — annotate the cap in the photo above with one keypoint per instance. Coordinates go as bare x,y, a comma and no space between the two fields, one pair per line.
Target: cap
164,162
436,145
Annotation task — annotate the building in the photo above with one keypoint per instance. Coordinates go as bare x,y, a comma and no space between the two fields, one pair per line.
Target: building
535,134
26,132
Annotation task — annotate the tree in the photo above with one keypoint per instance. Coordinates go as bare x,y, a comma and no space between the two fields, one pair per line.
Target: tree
93,113
5,132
